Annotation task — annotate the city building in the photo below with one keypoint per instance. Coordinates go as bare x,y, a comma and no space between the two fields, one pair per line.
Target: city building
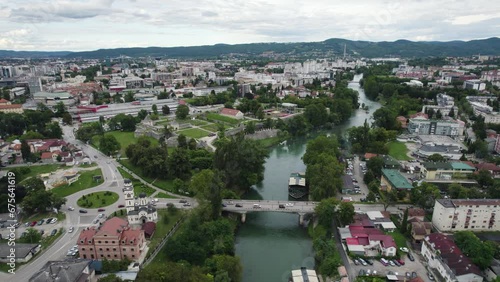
475,84
445,257
424,126
113,240
466,214
232,113
52,99
139,210
393,179
303,274
69,270
446,170
24,252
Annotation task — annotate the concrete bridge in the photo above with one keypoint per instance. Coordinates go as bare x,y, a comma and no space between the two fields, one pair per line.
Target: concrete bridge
244,206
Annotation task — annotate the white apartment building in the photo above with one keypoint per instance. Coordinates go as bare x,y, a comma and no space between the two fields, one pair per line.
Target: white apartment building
475,84
466,214
443,256
423,126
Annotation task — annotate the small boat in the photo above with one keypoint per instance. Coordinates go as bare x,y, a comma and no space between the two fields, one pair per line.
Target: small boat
297,187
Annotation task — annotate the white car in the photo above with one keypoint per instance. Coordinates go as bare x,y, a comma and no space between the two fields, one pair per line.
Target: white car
71,229
100,215
289,205
70,208
404,249
54,220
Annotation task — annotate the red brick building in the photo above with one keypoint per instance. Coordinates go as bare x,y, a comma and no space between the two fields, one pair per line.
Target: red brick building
114,240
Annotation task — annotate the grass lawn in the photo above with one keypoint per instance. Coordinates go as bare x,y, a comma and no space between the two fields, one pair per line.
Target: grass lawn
217,117
88,165
124,138
163,184
138,186
212,127
193,133
164,195
398,150
36,217
162,227
197,122
47,241
97,200
85,181
399,238
268,142
36,170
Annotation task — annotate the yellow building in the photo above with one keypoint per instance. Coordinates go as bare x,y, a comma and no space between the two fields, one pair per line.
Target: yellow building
11,108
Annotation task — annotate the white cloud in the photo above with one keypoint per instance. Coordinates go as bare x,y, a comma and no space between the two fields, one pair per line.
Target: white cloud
117,23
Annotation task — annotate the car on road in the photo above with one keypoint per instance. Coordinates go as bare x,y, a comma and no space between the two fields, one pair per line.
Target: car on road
289,205
238,205
186,204
281,206
101,215
83,211
121,206
224,205
101,210
183,201
70,208
256,206
71,229
170,205
54,232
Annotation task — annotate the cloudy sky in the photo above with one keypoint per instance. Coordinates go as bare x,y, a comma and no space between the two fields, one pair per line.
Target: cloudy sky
77,25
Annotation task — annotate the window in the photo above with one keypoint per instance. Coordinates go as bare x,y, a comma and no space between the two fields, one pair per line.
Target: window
100,249
124,249
83,249
99,242
91,256
112,242
102,255
81,241
131,242
91,249
107,249
123,242
133,256
114,249
132,249
116,256
109,256
90,241
105,242
449,216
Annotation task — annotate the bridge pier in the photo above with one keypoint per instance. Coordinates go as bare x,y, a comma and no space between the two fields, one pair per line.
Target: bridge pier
243,217
301,218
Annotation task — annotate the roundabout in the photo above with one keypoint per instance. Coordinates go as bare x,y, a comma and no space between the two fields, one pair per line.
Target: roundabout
97,200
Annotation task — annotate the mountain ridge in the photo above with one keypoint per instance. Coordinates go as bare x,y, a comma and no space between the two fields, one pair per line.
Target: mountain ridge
369,49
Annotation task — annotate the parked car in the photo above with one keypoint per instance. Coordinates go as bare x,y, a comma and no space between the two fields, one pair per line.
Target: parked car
384,262
281,206
40,222
391,263
396,262
356,262
101,210
48,220
368,272
362,261
170,205
186,204
101,215
410,256
361,272
183,201
401,261
121,206
369,261
83,211
54,232
414,274
224,205
404,249
33,223
238,205
54,220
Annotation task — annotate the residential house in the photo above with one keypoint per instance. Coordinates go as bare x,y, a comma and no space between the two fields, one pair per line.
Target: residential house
393,179
424,126
402,121
113,240
232,113
416,213
466,214
12,108
491,167
368,156
443,255
69,270
390,162
419,229
24,252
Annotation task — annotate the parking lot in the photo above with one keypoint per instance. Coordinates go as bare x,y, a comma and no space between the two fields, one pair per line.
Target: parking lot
410,266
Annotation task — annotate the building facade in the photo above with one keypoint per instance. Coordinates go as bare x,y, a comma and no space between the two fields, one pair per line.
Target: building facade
139,210
435,127
466,214
113,240
445,257
446,170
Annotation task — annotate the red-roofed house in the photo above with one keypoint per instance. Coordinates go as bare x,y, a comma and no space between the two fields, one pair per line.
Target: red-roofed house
403,121
492,168
386,244
365,239
114,240
416,213
420,114
445,257
369,156
232,113
4,102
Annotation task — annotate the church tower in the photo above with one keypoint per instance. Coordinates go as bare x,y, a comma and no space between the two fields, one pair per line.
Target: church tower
128,191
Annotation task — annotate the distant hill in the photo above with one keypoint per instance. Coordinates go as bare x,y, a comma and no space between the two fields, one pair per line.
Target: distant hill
399,48
32,54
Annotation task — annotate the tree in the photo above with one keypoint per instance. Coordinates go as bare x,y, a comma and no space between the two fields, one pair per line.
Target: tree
250,127
182,112
182,141
110,278
67,119
404,223
32,236
424,195
178,163
436,158
375,164
53,130
154,108
109,145
225,264
452,112
142,114
479,252
25,150
325,211
260,113
60,109
241,162
484,178
165,109
316,114
345,213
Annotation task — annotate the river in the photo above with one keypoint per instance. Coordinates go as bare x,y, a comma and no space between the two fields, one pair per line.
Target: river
270,245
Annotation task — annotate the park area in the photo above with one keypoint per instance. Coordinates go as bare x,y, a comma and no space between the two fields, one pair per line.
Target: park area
87,179
97,200
124,138
398,151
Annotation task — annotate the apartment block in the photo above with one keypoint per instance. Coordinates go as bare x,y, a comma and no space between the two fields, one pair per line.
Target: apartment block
466,214
422,126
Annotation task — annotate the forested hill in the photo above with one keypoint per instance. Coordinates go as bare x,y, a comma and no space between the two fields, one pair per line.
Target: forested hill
334,46
401,48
